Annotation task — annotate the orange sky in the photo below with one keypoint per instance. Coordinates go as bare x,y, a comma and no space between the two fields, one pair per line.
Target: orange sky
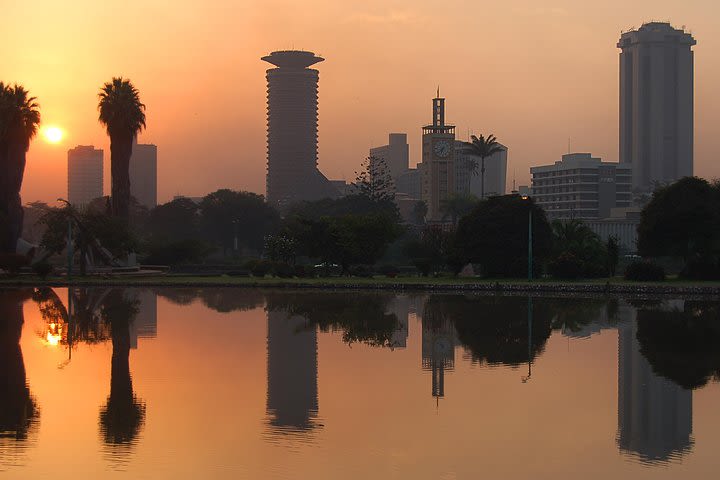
533,75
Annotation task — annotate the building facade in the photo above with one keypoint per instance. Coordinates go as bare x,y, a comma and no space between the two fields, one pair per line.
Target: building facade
143,175
437,168
292,130
85,175
656,104
580,186
469,183
396,155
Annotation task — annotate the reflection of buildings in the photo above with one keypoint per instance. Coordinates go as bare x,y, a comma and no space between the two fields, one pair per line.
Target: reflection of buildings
144,325
654,414
438,349
292,392
400,306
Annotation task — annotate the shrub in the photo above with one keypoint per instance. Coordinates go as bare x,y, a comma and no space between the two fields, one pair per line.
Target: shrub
13,262
644,271
698,268
303,271
283,270
175,252
389,271
566,266
260,268
42,269
362,271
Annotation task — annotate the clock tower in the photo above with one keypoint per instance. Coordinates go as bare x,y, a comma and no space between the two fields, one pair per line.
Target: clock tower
438,161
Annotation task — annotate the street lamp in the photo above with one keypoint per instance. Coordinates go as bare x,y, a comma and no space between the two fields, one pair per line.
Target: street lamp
235,240
69,241
530,239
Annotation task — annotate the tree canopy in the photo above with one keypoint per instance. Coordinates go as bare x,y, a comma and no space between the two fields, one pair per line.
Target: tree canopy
682,220
495,235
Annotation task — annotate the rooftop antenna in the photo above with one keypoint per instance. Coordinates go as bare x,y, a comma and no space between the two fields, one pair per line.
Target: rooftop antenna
569,144
438,92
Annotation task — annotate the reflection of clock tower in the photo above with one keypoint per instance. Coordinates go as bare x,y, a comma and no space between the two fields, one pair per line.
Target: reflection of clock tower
438,161
438,349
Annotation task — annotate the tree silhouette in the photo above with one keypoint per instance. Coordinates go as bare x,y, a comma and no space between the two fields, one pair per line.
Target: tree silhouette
18,411
483,148
682,345
19,120
495,329
123,115
124,414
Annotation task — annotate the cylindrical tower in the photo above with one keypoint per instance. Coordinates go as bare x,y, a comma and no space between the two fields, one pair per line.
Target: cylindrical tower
292,127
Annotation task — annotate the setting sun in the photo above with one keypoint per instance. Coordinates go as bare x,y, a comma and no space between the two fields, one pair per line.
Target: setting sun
52,134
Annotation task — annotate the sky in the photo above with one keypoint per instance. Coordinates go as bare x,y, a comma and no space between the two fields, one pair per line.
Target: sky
540,75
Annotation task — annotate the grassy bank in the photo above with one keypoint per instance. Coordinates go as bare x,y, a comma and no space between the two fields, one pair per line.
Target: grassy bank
616,285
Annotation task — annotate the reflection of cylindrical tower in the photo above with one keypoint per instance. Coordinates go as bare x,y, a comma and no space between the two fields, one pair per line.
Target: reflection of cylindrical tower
292,395
292,127
654,414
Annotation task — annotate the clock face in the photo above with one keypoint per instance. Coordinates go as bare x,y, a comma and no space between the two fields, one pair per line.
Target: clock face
442,149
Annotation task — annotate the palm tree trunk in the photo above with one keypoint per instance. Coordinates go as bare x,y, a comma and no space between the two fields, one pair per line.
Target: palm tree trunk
12,160
482,178
120,153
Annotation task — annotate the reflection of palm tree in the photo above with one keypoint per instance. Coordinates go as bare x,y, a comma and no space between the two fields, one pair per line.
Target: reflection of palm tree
17,407
124,415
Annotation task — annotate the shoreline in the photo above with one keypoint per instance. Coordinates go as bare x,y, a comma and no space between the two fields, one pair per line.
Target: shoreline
398,284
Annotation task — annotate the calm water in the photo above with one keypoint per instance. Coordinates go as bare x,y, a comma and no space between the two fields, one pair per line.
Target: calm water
223,383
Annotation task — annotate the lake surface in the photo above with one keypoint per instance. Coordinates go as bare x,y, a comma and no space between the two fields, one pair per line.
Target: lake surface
232,383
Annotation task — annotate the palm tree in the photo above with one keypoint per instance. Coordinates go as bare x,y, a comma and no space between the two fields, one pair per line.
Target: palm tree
123,115
484,148
19,120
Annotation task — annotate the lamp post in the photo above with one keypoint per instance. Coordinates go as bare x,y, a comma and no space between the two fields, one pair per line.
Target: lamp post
530,239
69,240
235,239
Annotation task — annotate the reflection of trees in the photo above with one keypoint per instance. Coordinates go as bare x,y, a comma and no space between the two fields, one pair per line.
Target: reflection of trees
682,345
179,295
494,329
223,300
361,317
124,414
226,300
18,411
574,314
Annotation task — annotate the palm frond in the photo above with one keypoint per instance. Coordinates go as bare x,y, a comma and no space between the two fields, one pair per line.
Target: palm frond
121,110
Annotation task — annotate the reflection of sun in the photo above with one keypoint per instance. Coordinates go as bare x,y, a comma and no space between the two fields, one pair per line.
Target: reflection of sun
52,134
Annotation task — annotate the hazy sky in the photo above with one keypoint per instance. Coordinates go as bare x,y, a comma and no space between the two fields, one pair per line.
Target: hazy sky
535,73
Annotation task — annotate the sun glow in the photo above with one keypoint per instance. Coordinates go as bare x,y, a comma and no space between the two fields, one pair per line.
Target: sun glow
52,134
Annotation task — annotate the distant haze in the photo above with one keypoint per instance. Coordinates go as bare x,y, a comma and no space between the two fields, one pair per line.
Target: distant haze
534,73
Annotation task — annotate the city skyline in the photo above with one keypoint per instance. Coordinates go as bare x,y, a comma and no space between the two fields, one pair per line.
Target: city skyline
575,68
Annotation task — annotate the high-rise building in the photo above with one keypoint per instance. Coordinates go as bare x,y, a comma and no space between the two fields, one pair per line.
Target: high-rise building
143,174
654,414
85,175
656,103
396,155
580,186
292,130
438,161
469,182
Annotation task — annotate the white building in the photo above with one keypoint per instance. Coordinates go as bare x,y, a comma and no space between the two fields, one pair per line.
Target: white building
581,186
143,174
656,103
85,175
621,224
467,182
